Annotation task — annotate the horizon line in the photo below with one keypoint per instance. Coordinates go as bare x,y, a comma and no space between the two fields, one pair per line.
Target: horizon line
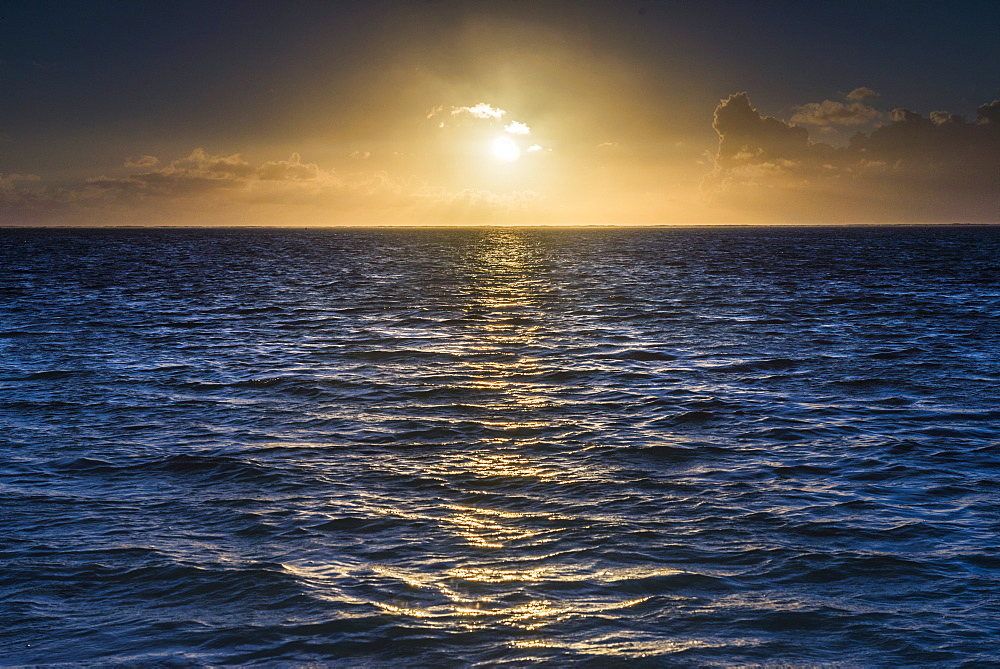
496,225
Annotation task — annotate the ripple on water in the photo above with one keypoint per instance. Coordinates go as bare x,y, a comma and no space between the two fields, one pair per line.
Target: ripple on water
500,446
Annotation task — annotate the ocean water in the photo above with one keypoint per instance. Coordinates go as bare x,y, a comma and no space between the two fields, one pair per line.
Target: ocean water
440,447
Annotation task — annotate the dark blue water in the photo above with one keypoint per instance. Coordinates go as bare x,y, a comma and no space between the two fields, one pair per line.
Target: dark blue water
681,447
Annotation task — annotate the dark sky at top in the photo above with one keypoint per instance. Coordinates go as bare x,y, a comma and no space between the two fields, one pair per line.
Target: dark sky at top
95,65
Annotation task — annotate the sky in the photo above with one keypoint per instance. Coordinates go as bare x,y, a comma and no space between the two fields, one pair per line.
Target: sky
465,113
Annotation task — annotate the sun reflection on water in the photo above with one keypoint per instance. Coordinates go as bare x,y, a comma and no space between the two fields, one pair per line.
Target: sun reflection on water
506,288
494,536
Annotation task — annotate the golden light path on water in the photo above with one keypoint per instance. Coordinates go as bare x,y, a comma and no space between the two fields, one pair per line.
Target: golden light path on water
508,554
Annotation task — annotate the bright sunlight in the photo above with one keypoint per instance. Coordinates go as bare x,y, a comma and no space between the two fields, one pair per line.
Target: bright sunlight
506,150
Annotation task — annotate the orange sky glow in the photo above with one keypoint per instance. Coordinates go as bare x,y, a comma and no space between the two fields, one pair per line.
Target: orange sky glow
483,118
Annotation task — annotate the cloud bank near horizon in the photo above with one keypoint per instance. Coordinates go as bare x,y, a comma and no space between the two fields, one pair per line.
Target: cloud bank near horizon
207,189
939,168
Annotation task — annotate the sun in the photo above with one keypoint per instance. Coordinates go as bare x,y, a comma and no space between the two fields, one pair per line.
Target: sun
506,150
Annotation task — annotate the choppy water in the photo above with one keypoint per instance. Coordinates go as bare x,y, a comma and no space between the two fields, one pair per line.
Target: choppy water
677,447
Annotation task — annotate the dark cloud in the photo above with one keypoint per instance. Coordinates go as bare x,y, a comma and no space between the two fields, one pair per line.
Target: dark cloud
746,136
989,113
911,168
945,144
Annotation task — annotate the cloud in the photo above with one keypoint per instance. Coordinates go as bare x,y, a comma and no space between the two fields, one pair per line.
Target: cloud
944,143
861,93
25,198
292,169
989,113
940,117
481,110
142,161
11,178
198,172
215,167
201,172
747,137
517,128
912,168
830,112
14,185
20,188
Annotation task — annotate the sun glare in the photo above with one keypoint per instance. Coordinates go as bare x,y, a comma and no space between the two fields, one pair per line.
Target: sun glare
506,150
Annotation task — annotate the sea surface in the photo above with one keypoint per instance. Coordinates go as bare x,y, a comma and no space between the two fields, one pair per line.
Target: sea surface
500,446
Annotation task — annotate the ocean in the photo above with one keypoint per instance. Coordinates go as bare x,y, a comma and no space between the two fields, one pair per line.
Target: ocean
500,446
